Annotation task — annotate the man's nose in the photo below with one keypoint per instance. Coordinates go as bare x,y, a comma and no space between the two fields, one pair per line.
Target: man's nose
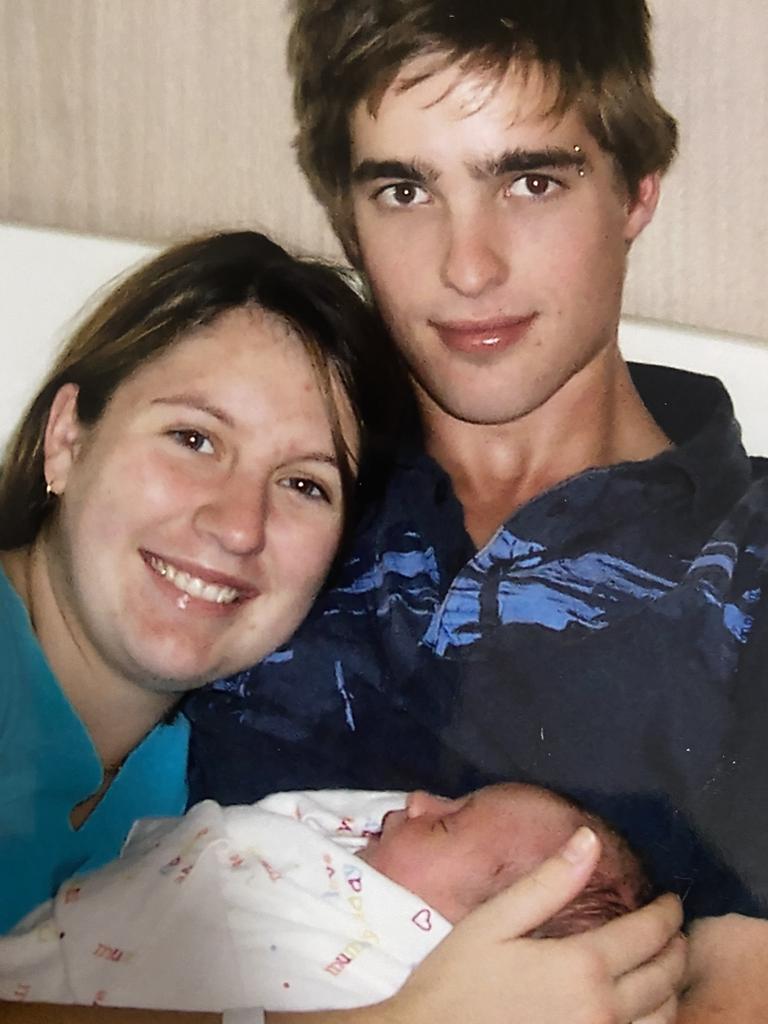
236,517
473,260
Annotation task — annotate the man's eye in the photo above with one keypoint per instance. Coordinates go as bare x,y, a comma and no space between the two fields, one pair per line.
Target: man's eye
533,186
193,439
308,488
402,193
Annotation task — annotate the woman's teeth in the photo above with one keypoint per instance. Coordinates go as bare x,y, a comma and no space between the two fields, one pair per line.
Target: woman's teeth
192,585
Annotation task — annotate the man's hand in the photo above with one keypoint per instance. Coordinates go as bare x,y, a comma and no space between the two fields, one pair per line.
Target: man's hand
727,980
628,970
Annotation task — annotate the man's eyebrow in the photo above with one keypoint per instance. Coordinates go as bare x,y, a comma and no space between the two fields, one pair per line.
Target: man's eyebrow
374,170
521,160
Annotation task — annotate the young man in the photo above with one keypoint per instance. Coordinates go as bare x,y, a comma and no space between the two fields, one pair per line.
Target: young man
560,581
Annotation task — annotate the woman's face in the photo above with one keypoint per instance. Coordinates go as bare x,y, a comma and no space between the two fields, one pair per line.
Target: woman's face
199,516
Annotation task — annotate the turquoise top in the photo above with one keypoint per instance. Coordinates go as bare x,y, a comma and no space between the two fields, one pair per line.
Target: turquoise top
48,765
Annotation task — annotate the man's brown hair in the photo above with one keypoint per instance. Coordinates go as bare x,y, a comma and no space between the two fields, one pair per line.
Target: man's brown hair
595,53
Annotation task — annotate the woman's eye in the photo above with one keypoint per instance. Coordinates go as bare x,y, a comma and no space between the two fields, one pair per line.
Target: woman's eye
194,440
533,186
402,193
307,488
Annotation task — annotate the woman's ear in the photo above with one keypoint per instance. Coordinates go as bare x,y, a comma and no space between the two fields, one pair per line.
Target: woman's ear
63,438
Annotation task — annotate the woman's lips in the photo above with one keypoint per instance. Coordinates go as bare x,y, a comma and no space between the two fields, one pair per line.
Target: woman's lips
483,337
192,585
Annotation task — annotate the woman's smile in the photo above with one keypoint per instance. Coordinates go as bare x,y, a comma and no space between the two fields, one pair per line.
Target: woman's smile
200,584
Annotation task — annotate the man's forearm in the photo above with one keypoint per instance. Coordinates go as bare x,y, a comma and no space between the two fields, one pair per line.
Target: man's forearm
728,973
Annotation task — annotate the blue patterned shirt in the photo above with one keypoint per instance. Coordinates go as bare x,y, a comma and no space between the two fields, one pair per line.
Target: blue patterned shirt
592,645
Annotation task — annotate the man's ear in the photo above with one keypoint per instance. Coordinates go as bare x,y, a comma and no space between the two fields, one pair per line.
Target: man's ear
642,206
63,438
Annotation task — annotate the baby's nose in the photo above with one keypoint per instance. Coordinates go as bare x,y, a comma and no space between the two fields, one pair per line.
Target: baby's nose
420,802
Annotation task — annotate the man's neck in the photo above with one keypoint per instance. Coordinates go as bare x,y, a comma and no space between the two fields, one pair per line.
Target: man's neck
596,419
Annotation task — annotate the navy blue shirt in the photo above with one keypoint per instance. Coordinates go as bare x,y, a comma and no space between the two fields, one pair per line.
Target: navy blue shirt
592,645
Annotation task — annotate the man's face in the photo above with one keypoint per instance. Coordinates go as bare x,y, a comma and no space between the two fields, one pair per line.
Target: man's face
494,235
451,853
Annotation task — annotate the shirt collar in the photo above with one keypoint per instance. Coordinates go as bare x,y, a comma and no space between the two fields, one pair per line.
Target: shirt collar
693,410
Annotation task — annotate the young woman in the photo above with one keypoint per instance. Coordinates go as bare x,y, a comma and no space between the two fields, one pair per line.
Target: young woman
169,507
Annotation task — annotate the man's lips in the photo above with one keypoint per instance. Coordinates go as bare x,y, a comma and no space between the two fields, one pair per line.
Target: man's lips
477,337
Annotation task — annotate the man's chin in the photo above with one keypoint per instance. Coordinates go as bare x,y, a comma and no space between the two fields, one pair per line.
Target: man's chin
483,411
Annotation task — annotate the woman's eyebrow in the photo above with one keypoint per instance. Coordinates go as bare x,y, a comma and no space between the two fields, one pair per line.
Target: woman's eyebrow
197,402
325,457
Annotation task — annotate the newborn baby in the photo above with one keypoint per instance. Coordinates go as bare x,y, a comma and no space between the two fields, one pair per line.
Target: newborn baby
456,854
302,901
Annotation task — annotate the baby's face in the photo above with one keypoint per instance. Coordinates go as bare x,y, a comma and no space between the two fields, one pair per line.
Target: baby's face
449,852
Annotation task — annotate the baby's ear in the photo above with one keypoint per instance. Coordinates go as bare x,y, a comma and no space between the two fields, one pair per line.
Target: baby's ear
63,438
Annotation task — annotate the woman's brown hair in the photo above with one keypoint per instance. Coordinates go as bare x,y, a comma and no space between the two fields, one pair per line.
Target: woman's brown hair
184,288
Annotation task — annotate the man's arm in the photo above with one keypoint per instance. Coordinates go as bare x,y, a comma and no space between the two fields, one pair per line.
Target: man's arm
727,972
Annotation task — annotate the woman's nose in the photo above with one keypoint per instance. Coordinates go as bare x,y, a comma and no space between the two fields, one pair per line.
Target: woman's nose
236,516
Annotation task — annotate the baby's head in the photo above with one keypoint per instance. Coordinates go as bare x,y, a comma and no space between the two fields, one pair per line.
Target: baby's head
455,854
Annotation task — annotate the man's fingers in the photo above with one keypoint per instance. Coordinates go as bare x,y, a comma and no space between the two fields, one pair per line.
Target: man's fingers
540,894
627,942
644,994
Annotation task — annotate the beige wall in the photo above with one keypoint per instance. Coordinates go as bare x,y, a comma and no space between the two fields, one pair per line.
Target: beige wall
154,118
150,118
704,260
